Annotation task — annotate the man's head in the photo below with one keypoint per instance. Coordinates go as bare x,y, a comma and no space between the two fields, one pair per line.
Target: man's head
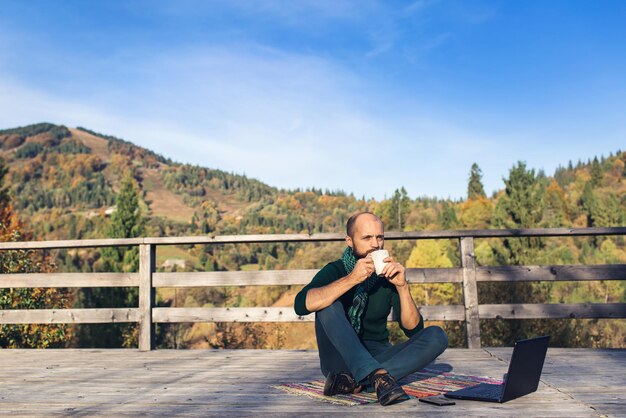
365,233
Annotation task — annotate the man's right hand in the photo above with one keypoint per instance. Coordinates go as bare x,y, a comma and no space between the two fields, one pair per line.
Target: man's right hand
363,269
320,297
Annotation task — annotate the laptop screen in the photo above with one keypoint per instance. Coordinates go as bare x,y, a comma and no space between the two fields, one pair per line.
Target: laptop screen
525,367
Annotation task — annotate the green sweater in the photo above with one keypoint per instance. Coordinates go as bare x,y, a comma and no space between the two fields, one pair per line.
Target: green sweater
382,297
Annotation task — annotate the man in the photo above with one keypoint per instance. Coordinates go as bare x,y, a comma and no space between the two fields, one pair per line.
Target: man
351,305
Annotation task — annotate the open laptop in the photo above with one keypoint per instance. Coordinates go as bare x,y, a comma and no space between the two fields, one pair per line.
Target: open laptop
522,378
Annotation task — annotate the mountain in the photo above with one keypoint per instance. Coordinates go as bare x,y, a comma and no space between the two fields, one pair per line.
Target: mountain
63,184
63,180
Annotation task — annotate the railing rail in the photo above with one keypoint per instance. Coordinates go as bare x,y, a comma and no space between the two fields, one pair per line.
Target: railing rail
147,280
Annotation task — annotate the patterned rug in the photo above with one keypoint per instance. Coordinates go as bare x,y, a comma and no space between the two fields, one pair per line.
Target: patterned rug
427,382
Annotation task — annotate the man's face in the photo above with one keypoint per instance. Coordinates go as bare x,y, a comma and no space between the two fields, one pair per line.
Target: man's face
368,236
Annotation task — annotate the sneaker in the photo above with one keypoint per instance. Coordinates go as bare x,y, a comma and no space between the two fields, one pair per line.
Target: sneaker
339,384
387,389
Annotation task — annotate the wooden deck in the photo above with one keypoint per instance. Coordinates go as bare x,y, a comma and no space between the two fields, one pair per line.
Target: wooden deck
68,382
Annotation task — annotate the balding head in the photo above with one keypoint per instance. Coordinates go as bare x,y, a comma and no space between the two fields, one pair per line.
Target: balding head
352,221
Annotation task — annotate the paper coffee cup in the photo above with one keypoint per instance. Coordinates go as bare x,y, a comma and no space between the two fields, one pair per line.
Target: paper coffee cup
378,256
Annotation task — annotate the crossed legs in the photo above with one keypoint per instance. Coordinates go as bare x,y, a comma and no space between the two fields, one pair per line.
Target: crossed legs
341,350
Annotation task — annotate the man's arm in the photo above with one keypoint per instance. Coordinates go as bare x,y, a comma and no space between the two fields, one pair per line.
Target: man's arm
395,273
409,315
321,297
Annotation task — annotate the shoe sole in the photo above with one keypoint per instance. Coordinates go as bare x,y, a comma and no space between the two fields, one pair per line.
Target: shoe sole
394,398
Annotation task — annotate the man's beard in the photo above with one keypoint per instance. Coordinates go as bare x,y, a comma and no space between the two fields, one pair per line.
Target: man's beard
359,255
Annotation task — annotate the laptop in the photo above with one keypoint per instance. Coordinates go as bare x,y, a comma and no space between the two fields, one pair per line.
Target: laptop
522,378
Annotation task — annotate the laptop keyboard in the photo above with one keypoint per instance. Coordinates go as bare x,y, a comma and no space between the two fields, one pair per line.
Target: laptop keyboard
492,391
486,390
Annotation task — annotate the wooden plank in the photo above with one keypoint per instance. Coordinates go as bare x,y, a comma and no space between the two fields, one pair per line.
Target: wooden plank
147,257
82,243
533,311
68,316
30,280
470,292
235,239
272,314
551,273
434,275
443,313
245,239
284,277
509,233
234,278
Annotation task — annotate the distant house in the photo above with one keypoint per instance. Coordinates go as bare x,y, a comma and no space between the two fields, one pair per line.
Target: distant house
173,262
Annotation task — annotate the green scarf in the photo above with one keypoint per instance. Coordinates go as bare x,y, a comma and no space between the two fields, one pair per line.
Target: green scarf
355,313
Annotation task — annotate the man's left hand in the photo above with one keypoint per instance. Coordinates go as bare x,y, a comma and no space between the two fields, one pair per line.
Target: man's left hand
394,272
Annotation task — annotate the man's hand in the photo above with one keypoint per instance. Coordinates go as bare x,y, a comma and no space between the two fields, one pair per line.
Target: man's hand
320,297
394,272
363,269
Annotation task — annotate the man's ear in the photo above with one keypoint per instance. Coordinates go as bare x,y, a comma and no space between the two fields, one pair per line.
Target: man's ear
349,241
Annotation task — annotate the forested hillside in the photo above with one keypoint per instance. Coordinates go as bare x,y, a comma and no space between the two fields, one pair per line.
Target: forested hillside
66,183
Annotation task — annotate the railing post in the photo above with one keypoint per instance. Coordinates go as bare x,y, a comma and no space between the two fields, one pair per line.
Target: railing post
470,292
147,257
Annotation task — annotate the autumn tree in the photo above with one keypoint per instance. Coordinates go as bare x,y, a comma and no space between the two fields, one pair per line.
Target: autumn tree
20,261
555,214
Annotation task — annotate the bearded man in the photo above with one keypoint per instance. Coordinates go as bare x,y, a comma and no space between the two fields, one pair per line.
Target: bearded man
351,304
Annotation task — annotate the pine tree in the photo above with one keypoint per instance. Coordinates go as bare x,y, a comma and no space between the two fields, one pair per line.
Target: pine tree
447,217
399,209
126,222
596,173
522,206
475,187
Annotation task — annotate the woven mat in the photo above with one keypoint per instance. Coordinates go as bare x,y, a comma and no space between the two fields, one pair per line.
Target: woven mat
426,382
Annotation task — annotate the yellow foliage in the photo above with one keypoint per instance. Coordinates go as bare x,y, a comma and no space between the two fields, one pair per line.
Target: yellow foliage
429,253
476,213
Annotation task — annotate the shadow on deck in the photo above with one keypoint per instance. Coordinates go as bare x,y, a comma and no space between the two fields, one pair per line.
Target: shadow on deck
68,382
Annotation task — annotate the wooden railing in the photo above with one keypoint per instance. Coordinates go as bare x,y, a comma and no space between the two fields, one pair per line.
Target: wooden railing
147,280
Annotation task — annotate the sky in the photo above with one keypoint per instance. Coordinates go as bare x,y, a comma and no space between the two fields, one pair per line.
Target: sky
360,96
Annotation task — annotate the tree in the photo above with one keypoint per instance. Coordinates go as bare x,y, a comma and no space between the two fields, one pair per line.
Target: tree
447,217
27,335
596,172
4,192
126,222
432,253
521,206
400,206
556,206
475,187
476,213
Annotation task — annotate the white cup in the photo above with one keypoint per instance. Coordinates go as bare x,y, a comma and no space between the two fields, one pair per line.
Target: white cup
378,256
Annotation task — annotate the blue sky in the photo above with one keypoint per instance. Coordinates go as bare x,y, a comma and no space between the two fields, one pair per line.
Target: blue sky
363,96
